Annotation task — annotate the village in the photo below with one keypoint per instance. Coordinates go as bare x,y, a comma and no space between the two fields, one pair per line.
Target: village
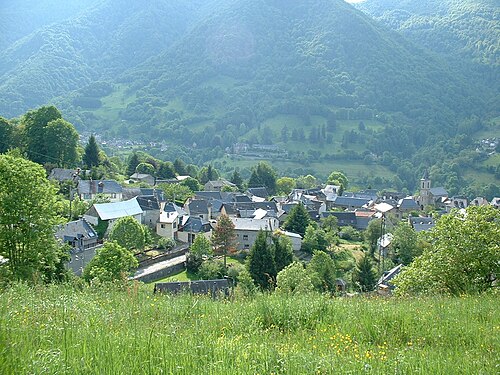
250,212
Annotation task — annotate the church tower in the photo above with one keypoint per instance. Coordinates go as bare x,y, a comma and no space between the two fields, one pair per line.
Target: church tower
425,190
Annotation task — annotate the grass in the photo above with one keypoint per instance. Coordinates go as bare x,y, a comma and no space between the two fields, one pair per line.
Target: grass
56,329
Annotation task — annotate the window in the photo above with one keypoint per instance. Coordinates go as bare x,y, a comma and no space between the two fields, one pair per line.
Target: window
162,226
174,224
245,237
247,246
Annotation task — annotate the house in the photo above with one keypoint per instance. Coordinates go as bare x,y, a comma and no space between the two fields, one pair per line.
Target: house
110,212
405,206
62,175
479,201
384,285
79,234
420,224
151,209
247,229
247,209
350,203
495,202
363,218
143,177
344,218
219,185
83,239
190,227
168,224
257,192
199,208
90,189
457,202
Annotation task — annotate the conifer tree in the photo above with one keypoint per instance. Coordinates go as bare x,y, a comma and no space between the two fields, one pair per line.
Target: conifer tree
91,156
261,265
364,275
298,219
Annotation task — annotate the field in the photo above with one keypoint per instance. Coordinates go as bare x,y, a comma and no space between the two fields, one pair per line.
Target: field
57,329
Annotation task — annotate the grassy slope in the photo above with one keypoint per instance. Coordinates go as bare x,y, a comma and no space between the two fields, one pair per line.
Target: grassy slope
59,330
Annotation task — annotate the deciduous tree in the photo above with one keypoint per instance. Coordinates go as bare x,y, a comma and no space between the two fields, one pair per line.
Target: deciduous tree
27,220
463,257
111,263
224,237
128,233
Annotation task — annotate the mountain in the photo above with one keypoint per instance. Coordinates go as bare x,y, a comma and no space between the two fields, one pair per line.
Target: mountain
465,31
314,81
100,40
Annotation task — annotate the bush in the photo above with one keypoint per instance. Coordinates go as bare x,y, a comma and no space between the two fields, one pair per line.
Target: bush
211,269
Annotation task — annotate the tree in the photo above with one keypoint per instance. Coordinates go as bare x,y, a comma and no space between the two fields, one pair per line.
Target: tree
145,168
338,178
111,263
330,224
175,192
27,220
224,237
207,174
261,264
294,279
372,233
91,155
321,269
267,176
200,249
364,276
128,233
237,180
314,239
405,244
192,184
254,180
166,170
307,182
282,251
63,140
285,185
463,256
298,219
133,162
180,167
6,134
35,123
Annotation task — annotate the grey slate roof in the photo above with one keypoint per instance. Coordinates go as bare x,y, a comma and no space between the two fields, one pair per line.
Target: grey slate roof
194,225
408,203
99,186
439,192
77,229
350,201
258,192
234,208
197,207
344,218
61,174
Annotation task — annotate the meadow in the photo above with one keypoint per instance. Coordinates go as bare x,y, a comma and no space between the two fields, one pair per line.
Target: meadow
65,330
